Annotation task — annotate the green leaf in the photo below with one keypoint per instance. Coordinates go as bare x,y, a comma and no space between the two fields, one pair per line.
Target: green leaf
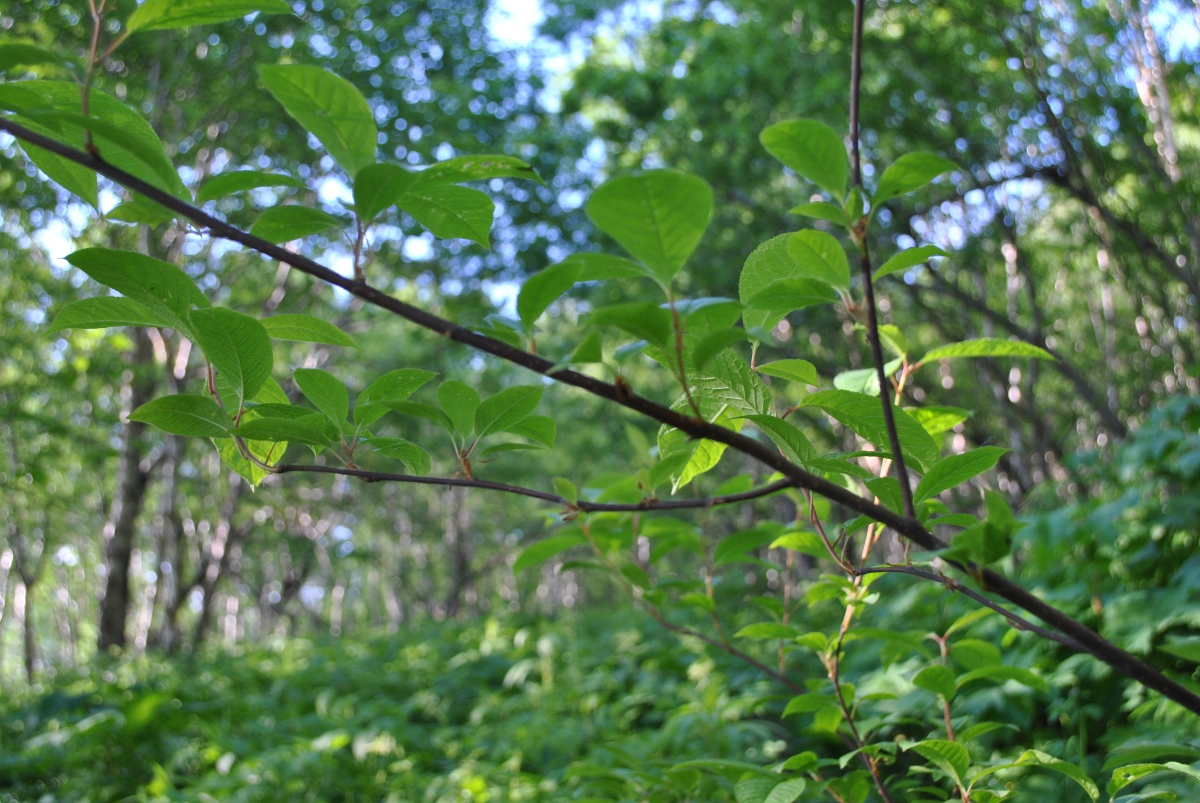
974,653
422,410
327,393
937,679
864,415
950,757
790,440
803,541
787,791
538,428
1123,776
793,370
542,289
78,179
226,184
729,379
162,288
821,211
658,217
566,489
104,312
239,349
270,453
597,267
644,320
987,347
818,255
911,171
589,351
374,402
1187,649
459,402
907,258
732,548
157,15
1037,758
185,414
141,210
767,630
306,329
813,150
768,263
713,342
451,212
379,186
547,548
955,470
999,673
308,429
865,380
330,108
506,409
887,490
477,168
413,456
753,789
281,224
788,295
808,704
937,420
22,54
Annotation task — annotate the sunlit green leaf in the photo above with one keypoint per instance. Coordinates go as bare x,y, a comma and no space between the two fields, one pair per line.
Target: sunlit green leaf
818,255
306,329
506,409
104,312
814,150
281,224
459,402
907,258
225,184
327,393
911,171
239,349
185,414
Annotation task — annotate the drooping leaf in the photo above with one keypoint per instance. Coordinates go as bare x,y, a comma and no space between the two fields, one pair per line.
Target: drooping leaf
413,456
864,415
597,267
477,168
23,54
955,470
268,453
158,286
104,312
239,349
791,441
379,186
281,224
821,211
226,184
451,212
330,108
818,255
793,370
308,429
589,351
658,216
506,409
545,549
542,289
642,319
157,15
459,402
1036,758
185,414
141,210
949,757
374,402
767,264
987,347
907,258
911,171
813,150
937,420
788,295
538,428
306,329
327,393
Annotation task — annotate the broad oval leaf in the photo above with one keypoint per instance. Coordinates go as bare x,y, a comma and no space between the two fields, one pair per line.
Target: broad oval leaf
451,212
818,255
597,267
821,210
306,329
642,319
767,630
911,171
813,150
937,679
327,393
794,370
411,455
955,470
538,428
105,312
547,548
185,414
864,415
281,224
710,344
307,429
767,263
459,402
376,400
330,108
1036,758
505,409
790,440
907,258
542,289
937,420
788,295
239,349
477,168
156,15
158,286
658,217
950,757
987,347
378,186
999,673
226,184
787,791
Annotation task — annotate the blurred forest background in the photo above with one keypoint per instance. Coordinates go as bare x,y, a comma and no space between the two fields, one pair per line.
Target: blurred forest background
352,641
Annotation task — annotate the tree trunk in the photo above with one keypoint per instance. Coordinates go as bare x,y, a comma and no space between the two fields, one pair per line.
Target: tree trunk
459,552
221,552
170,553
132,479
